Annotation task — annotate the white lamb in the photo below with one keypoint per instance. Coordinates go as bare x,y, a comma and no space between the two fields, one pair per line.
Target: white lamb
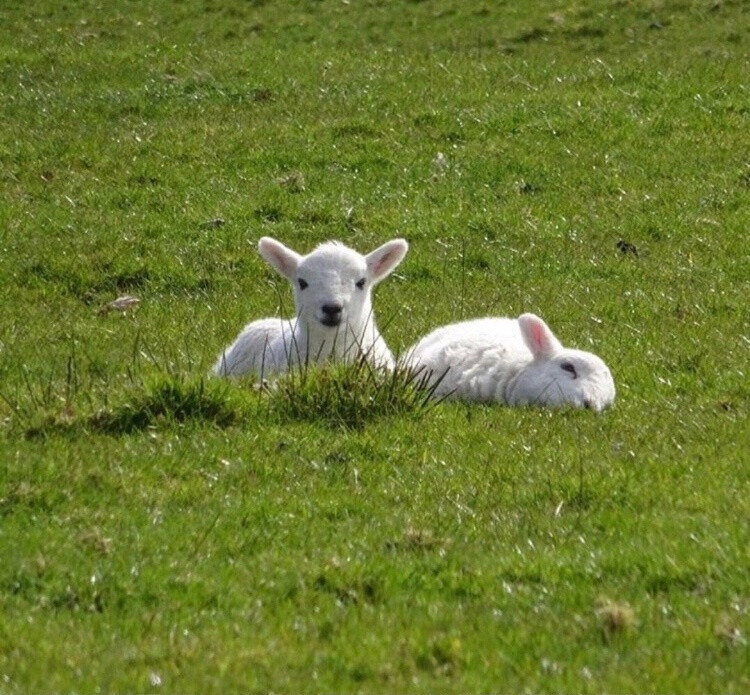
334,317
512,361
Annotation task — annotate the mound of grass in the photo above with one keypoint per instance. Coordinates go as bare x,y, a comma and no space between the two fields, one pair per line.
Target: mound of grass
347,396
172,401
352,395
162,402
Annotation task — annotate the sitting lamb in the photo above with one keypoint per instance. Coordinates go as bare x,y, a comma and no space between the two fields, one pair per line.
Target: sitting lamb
512,361
333,299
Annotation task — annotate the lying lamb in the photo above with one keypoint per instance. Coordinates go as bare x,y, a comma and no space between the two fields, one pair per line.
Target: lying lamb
512,361
334,316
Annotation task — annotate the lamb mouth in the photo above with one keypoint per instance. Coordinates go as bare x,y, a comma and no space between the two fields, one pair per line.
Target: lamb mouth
331,323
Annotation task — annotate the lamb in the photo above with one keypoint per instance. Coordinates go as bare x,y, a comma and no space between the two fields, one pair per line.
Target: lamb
334,315
511,361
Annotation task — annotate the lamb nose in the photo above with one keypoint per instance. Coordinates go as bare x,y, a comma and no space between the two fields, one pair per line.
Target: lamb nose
332,311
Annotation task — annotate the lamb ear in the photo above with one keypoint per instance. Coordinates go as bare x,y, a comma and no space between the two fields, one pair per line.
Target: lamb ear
385,258
538,336
279,256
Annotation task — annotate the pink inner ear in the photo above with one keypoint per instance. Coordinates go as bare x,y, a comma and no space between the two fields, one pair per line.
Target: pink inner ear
384,259
381,264
279,256
284,262
539,338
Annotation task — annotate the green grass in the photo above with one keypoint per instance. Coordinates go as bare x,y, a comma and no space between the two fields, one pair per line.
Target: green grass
342,396
164,532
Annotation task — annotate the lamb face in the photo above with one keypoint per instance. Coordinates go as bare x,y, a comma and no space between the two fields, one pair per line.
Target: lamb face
572,377
558,375
332,289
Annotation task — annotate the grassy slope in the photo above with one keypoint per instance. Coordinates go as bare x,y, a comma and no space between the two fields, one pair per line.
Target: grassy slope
465,551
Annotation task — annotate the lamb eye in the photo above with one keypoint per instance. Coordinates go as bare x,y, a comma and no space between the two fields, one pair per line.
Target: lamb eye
360,284
302,283
570,368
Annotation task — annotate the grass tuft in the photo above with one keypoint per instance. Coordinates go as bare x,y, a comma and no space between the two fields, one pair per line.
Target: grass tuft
161,402
339,396
352,395
173,400
614,617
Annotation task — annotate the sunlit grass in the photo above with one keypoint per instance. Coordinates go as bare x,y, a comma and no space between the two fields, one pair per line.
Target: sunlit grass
164,530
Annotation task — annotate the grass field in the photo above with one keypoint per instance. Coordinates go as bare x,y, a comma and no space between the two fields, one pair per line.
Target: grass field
163,533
